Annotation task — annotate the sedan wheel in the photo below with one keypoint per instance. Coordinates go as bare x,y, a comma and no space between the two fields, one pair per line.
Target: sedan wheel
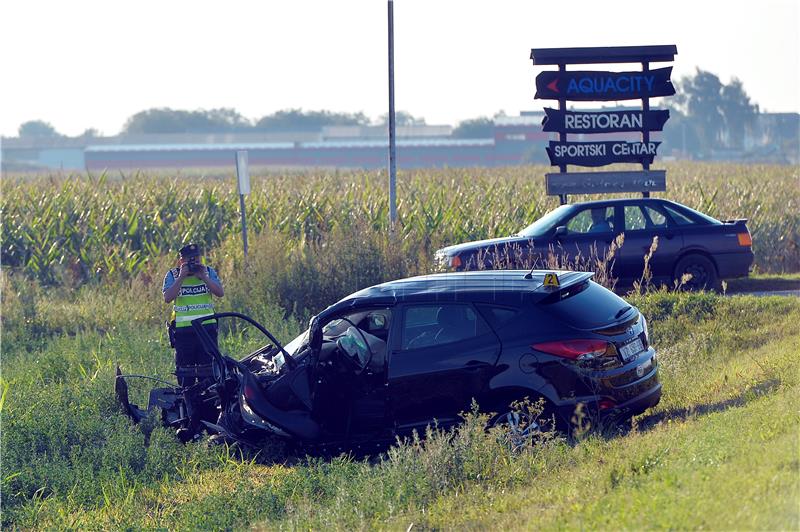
699,272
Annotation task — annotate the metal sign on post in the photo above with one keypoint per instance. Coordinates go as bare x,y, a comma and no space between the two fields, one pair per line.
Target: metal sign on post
243,178
603,122
591,86
598,85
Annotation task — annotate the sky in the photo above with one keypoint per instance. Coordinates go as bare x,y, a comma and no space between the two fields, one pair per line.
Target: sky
92,64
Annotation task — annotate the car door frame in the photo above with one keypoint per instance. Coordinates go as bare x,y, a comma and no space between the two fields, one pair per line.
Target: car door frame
603,240
485,369
661,265
381,386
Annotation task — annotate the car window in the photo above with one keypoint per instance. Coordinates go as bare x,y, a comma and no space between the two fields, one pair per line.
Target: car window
586,306
657,217
431,325
634,219
679,218
592,220
497,316
544,224
373,321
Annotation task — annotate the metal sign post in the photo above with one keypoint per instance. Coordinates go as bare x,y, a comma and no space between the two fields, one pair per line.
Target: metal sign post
392,154
243,178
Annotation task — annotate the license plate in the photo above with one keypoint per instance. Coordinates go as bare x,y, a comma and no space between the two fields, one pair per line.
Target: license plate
631,349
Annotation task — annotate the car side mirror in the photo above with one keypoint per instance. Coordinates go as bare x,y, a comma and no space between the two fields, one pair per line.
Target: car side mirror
561,230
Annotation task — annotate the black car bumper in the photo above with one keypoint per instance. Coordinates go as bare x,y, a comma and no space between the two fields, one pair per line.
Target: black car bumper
637,405
732,265
619,394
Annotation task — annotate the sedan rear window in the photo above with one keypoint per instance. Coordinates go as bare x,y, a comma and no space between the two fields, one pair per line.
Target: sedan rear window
679,218
587,306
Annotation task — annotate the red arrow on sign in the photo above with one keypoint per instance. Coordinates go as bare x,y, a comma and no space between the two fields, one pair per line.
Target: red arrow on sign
553,85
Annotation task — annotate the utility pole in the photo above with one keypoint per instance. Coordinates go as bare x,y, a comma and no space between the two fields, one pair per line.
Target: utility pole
392,150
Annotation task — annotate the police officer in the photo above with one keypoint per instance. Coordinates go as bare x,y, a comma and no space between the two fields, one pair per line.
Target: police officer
190,286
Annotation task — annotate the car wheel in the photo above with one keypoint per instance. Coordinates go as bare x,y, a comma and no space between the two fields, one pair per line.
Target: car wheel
519,428
515,431
702,271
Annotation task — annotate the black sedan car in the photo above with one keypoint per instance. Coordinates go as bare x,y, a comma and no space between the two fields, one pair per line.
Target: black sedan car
689,242
399,356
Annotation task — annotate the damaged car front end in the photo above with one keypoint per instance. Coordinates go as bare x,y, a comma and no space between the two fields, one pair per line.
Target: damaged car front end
268,393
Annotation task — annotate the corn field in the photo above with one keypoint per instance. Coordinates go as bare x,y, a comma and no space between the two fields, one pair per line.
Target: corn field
97,226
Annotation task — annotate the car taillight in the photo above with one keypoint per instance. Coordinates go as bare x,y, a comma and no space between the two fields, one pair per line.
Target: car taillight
744,239
605,404
575,349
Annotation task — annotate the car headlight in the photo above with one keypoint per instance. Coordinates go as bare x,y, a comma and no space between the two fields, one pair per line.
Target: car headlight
445,261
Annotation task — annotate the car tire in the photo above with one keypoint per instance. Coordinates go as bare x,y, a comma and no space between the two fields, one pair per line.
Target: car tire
519,429
702,270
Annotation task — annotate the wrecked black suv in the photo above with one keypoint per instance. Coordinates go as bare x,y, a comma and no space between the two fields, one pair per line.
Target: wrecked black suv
401,355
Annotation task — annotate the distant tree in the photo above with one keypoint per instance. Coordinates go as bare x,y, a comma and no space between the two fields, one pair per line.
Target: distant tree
739,113
401,119
718,115
90,133
679,136
299,120
38,128
475,128
165,120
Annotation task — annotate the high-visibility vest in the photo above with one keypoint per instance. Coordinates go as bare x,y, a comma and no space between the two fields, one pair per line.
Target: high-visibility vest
193,301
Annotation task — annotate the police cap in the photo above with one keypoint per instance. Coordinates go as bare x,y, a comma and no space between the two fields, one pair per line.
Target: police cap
190,250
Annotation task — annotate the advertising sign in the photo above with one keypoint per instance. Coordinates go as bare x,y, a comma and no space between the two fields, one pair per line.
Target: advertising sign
601,86
601,153
606,182
595,85
603,121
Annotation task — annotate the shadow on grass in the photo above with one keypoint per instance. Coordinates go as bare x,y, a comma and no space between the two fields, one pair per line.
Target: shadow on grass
761,284
681,414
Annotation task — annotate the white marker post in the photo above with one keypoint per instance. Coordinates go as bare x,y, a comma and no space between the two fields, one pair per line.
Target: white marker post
243,176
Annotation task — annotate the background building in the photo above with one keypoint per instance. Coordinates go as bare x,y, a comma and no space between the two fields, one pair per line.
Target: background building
774,138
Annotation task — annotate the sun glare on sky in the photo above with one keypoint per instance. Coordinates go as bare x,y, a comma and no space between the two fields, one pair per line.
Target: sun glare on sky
92,64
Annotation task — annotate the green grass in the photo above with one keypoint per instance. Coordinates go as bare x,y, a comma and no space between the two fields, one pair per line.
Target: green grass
720,451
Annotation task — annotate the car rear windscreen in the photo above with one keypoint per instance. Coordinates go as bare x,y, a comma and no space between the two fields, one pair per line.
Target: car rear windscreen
586,306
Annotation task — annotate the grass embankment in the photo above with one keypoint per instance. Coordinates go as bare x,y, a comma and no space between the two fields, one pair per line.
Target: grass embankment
720,451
